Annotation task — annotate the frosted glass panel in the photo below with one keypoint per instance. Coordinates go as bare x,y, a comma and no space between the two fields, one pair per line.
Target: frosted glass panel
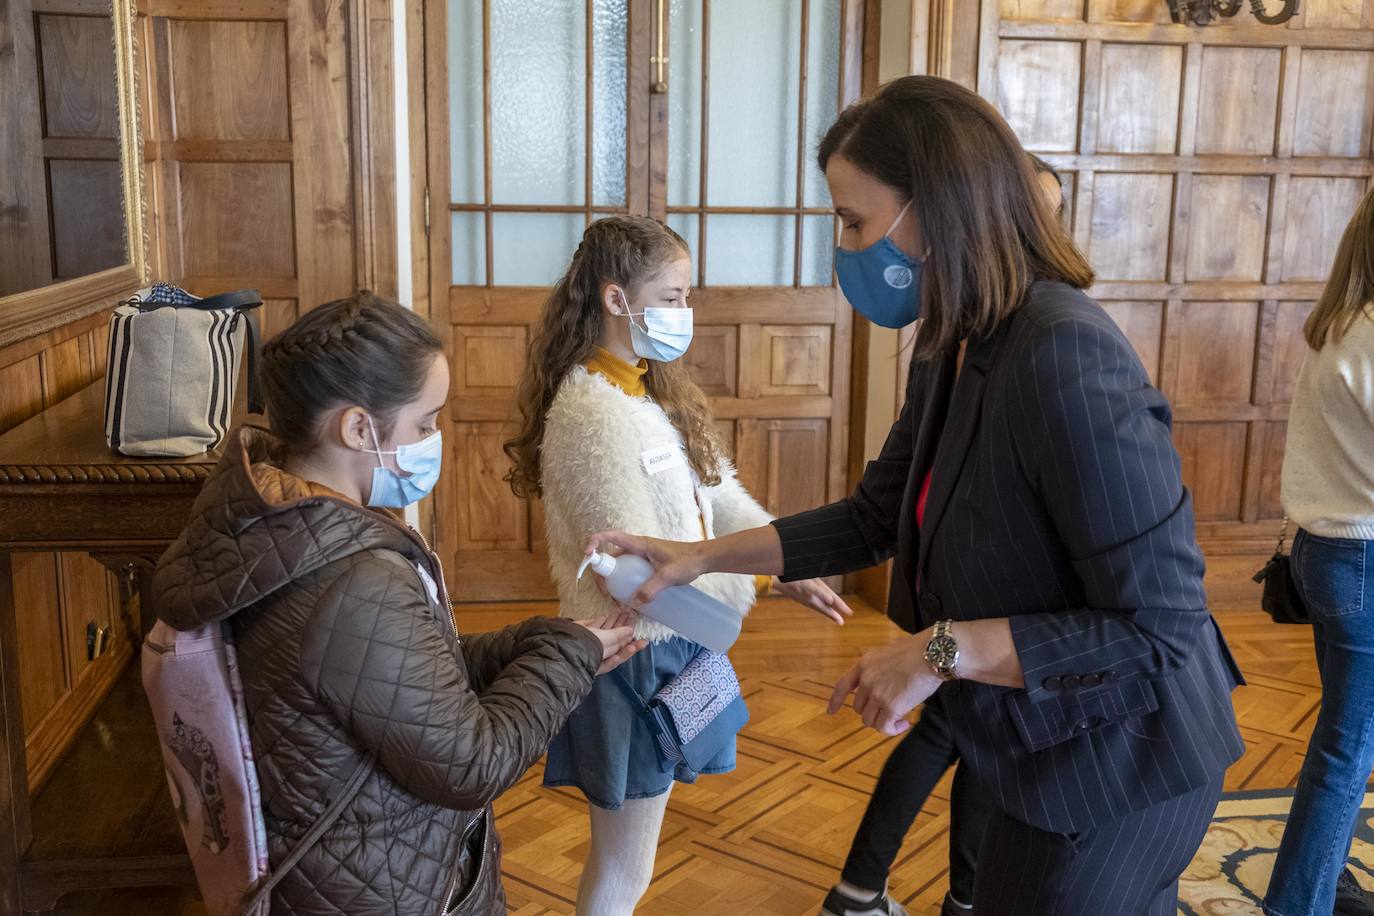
684,103
609,18
685,225
818,250
465,101
538,101
755,81
533,249
822,94
469,249
750,250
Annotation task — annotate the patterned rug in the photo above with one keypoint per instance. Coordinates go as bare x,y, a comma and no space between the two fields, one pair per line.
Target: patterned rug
1231,871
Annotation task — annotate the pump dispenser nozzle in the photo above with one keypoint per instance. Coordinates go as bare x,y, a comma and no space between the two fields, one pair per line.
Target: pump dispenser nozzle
603,564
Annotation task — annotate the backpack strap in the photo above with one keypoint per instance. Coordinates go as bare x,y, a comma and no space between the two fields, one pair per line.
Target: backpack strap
312,836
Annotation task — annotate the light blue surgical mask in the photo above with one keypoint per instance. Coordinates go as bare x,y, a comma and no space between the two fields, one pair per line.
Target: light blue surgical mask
881,281
421,460
666,335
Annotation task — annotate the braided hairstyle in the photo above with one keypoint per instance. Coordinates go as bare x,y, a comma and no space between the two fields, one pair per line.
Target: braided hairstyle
363,350
626,251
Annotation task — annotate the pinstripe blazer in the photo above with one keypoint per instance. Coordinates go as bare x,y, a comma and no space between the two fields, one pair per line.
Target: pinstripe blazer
1056,501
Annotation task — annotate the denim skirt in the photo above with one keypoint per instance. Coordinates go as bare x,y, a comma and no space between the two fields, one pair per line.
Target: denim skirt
607,751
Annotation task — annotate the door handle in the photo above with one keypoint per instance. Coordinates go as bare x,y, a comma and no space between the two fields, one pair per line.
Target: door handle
659,57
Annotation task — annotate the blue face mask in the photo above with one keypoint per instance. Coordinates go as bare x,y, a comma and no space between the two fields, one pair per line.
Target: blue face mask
881,281
421,460
666,335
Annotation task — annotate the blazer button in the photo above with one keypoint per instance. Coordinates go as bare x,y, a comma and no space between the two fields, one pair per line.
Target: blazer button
1071,681
1085,724
1092,680
1052,682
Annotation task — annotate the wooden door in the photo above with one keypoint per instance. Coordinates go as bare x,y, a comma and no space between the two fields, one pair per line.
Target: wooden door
543,117
1209,174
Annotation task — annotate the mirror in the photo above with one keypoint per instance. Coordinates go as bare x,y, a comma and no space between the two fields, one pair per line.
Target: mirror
69,189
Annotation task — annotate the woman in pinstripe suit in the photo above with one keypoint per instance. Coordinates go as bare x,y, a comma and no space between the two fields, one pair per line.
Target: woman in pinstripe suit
1031,496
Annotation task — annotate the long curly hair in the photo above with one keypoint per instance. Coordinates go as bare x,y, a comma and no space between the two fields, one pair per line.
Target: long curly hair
626,251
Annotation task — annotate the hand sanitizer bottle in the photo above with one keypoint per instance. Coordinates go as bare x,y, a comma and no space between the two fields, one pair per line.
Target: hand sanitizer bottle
689,612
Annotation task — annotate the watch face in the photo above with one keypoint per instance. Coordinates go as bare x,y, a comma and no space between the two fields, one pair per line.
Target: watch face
942,652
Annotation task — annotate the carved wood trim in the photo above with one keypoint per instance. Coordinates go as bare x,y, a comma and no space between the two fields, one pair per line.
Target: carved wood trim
105,474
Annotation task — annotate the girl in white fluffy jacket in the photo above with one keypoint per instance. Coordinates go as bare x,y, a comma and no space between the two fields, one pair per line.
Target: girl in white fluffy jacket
616,435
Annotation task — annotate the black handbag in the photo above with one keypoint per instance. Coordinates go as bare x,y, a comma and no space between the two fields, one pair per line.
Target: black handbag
1281,600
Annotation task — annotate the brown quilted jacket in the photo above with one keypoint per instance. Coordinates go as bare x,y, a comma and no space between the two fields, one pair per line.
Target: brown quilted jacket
344,651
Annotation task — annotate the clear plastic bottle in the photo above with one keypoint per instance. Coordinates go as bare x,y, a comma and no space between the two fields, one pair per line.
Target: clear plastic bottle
690,612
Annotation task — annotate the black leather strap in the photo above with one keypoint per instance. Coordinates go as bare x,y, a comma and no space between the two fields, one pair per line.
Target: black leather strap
238,300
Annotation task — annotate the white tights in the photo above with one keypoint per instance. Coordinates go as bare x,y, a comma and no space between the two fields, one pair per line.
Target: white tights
621,861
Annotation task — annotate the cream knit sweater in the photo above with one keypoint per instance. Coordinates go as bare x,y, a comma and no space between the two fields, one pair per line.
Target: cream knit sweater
1328,466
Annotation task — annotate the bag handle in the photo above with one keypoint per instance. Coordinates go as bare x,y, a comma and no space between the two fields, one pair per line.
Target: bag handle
1283,535
242,299
242,302
312,836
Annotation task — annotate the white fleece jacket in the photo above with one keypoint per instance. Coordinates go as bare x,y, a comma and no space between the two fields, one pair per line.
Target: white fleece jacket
599,443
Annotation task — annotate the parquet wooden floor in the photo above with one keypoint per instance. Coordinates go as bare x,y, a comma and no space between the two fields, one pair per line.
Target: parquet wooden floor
768,839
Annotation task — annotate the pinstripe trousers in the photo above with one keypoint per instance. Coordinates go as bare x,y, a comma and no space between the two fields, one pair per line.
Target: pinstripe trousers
1126,867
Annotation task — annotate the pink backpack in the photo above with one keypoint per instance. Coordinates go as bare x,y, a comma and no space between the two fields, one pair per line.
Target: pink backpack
192,681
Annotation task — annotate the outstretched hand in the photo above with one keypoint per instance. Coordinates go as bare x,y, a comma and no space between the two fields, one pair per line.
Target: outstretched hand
888,683
674,562
816,595
617,635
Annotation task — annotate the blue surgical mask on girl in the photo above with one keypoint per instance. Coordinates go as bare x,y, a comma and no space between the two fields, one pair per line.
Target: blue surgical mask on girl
666,335
881,281
421,460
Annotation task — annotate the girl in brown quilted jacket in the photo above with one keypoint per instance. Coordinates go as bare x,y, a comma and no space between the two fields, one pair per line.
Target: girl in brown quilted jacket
346,642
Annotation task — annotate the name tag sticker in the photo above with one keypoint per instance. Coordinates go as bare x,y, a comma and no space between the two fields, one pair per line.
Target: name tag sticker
657,460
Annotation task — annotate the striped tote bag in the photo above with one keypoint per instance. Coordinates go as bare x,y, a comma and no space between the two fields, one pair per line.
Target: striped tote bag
174,361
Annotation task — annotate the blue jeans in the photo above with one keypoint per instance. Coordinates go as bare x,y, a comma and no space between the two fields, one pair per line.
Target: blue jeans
1335,578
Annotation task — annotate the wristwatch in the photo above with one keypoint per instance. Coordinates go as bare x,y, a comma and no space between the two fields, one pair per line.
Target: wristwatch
942,652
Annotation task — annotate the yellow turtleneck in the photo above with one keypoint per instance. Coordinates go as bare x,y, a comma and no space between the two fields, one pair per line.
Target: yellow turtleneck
630,379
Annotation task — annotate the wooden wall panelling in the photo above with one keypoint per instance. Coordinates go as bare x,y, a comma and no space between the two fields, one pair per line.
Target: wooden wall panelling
1138,110
21,391
1239,100
42,667
370,27
713,359
783,462
318,54
25,261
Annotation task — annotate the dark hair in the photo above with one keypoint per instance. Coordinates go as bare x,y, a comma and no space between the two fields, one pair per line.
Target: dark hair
973,192
362,350
626,251
1044,168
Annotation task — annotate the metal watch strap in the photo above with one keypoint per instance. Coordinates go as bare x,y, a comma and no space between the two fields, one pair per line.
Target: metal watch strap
944,629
